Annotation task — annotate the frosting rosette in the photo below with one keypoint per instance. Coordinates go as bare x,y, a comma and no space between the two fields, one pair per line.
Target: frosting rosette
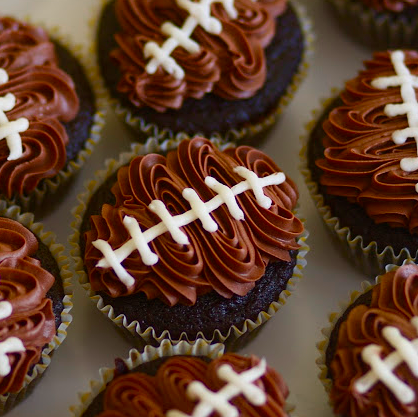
369,356
139,394
230,63
228,259
44,96
26,315
363,157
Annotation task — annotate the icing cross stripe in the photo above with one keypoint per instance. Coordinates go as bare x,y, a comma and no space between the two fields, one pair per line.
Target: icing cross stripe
199,210
199,14
10,130
9,345
382,370
407,82
237,384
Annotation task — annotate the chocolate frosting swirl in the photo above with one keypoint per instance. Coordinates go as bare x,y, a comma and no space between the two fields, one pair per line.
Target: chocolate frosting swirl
24,284
229,260
390,5
231,64
140,395
362,162
394,303
45,95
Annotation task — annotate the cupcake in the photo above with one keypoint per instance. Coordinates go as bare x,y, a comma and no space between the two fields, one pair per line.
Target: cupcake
368,360
379,24
169,65
166,251
48,113
359,162
179,380
35,303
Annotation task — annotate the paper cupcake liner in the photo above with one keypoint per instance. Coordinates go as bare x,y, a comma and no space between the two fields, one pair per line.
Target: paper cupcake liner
7,401
367,257
333,318
149,335
49,186
135,359
146,129
377,30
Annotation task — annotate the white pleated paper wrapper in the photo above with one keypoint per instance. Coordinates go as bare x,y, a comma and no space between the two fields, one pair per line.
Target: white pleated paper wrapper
85,56
150,353
149,335
377,30
146,129
333,318
366,257
48,238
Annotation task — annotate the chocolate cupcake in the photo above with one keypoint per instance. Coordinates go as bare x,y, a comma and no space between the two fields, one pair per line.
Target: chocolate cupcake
35,303
226,265
49,115
379,24
368,360
239,63
359,163
173,380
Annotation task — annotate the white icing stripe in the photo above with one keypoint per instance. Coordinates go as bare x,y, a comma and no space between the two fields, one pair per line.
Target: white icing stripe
10,130
237,384
10,345
199,14
406,81
382,370
5,309
227,196
199,210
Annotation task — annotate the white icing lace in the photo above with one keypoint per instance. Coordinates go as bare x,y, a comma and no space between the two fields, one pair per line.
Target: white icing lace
237,384
11,344
199,210
382,370
199,14
10,130
407,82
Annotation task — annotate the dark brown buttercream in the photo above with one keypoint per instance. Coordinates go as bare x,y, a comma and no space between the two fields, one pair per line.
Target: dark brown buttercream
24,284
231,64
394,302
229,260
45,95
140,395
362,162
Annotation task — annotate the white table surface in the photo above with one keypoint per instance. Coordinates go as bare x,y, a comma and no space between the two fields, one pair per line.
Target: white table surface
288,340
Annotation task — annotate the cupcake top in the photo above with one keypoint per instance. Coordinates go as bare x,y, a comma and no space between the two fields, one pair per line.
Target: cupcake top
374,367
171,50
194,221
370,141
390,5
36,97
27,321
229,385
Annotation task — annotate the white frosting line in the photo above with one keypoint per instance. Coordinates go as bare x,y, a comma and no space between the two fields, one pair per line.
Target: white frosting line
199,14
199,210
407,82
237,384
6,309
10,345
10,130
382,370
